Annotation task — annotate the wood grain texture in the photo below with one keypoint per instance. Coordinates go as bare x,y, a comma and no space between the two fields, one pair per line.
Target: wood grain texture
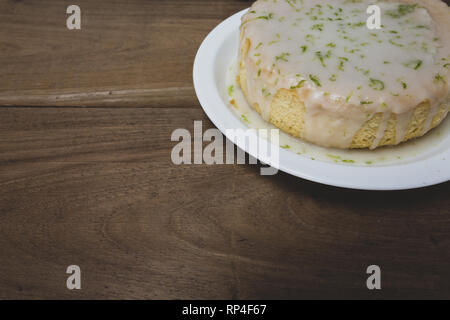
126,53
96,186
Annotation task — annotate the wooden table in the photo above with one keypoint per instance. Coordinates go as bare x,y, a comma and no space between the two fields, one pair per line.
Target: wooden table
86,177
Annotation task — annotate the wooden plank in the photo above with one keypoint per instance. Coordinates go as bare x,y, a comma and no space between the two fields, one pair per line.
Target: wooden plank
97,188
127,53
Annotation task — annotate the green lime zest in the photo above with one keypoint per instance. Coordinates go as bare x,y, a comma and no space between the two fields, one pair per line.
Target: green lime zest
230,90
244,117
283,56
315,79
415,64
402,10
299,85
376,84
267,17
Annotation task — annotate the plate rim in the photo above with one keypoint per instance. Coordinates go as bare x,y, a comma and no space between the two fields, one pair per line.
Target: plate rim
208,95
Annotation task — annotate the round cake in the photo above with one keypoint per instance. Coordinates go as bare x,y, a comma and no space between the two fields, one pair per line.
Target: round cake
315,69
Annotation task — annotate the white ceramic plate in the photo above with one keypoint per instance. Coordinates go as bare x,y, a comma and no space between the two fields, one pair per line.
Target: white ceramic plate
428,167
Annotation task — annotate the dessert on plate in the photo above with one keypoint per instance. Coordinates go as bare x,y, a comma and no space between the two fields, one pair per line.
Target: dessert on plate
314,69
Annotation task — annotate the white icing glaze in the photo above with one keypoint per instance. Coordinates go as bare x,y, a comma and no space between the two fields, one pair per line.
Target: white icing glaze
381,130
346,72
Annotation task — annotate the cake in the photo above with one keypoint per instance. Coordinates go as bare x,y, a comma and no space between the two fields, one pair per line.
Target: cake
314,69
